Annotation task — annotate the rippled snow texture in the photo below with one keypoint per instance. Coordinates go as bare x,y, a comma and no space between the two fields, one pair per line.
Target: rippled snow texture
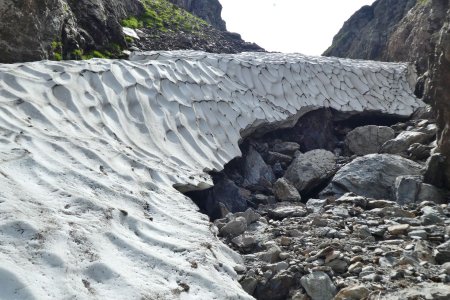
90,150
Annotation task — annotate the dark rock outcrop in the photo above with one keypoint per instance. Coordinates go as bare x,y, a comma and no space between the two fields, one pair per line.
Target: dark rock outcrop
208,10
78,29
29,30
366,34
438,90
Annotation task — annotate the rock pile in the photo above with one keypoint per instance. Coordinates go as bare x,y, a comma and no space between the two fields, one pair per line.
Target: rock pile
357,222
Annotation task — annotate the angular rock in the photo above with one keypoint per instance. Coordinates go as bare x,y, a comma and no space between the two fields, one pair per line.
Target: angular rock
234,227
250,215
372,176
311,169
244,241
368,139
277,288
353,199
255,169
225,196
287,148
419,152
402,142
272,254
316,205
398,229
356,292
411,189
431,215
406,189
318,286
285,191
442,254
287,211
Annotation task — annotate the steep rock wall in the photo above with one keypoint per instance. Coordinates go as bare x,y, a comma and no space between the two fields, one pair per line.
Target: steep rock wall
208,10
366,34
90,152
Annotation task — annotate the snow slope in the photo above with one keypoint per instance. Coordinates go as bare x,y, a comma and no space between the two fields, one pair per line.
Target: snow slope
90,152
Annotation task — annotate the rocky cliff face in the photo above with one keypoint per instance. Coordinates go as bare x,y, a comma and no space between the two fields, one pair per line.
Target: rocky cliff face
208,10
404,30
366,34
438,89
73,29
29,30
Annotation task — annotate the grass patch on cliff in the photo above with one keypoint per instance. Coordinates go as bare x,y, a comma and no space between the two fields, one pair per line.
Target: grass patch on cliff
163,15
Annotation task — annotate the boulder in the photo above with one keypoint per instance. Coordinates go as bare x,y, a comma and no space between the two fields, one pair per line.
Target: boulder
407,188
372,176
224,196
411,189
311,169
256,171
316,205
442,254
287,148
318,286
368,139
405,139
234,227
285,191
276,288
419,152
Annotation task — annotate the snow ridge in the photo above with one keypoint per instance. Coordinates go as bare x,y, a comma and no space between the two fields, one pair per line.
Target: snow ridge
90,152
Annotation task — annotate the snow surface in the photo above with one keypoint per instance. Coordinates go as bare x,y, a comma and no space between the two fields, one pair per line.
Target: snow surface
90,152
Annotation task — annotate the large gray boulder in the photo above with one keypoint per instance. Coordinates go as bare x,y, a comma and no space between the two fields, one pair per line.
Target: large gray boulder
368,139
372,176
311,169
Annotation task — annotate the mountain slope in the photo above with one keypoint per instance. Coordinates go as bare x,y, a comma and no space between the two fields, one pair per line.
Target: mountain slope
78,29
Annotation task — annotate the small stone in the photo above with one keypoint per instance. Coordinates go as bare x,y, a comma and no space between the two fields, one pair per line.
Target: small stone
355,268
379,204
285,241
272,255
319,221
287,211
398,229
418,234
357,292
240,269
338,265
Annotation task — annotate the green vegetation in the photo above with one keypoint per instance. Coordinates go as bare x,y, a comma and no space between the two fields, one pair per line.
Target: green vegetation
112,51
423,2
163,15
57,50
